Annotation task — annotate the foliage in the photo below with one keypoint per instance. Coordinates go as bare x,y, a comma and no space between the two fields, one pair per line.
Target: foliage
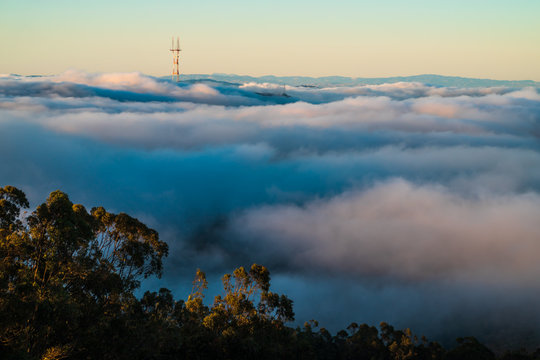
67,275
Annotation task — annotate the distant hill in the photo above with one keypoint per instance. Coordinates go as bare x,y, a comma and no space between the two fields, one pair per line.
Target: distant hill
435,80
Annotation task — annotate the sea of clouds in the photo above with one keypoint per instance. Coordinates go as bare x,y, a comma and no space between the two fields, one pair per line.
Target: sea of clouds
404,202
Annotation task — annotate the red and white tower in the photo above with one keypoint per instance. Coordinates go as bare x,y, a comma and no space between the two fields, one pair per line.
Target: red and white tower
176,58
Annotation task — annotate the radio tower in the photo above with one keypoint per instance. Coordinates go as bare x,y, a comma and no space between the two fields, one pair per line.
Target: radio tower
176,56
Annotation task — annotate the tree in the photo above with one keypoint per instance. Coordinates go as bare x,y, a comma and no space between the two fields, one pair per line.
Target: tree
67,274
364,343
469,348
248,319
12,200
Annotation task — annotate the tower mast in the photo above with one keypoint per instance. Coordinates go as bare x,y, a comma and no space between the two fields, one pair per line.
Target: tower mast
176,57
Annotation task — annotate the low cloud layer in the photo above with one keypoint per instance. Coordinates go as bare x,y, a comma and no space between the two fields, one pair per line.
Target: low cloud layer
407,191
396,230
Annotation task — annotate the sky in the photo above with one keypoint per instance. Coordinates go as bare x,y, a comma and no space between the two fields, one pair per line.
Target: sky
408,203
494,39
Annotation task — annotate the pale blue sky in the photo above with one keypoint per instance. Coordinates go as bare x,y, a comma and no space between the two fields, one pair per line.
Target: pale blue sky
475,38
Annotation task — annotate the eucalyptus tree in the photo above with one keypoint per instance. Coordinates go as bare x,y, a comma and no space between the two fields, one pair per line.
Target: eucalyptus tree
67,274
